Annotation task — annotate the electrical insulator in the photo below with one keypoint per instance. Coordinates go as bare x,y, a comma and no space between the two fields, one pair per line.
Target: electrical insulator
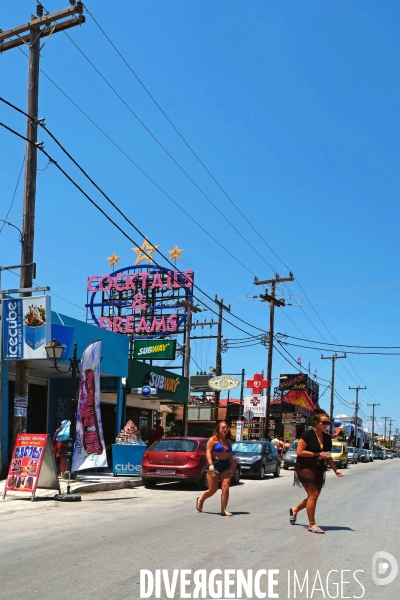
72,2
79,7
39,10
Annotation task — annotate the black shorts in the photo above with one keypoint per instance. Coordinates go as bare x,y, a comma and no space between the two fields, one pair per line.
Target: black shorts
221,465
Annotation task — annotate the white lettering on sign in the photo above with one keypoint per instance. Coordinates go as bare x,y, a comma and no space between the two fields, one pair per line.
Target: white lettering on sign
128,467
163,383
153,349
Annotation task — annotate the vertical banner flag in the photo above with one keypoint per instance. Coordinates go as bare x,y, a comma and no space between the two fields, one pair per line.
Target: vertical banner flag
26,327
89,447
299,360
315,374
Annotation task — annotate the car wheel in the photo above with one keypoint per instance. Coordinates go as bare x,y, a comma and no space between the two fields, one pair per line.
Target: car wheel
149,483
261,472
236,476
345,466
202,484
286,467
277,471
340,465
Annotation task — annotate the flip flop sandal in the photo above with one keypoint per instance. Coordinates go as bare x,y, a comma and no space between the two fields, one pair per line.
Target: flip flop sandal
292,517
197,505
316,529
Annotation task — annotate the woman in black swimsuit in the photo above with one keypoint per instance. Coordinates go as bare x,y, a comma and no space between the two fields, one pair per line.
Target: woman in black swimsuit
220,466
313,452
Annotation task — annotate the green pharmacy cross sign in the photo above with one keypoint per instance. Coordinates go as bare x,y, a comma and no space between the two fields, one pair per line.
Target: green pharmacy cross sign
154,349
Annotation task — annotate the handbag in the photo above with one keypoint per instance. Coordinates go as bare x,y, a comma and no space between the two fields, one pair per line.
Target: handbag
64,434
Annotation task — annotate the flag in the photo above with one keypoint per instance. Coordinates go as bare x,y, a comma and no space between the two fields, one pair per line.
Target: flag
299,360
89,447
315,374
309,368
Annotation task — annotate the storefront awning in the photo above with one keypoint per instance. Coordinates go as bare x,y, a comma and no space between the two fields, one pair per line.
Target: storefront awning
299,398
135,402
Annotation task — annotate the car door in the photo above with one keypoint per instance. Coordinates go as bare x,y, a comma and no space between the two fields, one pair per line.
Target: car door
269,458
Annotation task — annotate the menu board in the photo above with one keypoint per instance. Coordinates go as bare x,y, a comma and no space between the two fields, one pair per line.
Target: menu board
32,465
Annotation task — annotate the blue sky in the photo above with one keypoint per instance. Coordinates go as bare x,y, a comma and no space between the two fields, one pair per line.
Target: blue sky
294,108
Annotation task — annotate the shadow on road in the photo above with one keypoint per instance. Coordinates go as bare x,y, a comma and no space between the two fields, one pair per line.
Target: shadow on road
110,499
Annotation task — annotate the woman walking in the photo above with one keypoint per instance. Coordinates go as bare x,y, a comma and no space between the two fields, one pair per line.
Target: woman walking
313,451
220,466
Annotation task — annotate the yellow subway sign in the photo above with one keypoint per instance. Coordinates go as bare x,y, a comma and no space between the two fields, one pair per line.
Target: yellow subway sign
154,349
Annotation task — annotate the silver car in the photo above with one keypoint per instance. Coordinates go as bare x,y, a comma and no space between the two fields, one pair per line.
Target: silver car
352,455
290,456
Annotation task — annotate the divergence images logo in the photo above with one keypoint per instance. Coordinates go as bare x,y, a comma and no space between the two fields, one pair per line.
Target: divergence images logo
380,565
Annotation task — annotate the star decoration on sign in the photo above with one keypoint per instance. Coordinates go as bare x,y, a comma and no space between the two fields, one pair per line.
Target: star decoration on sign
113,259
175,253
144,252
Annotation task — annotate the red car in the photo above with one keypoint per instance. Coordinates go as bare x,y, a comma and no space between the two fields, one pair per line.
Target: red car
179,459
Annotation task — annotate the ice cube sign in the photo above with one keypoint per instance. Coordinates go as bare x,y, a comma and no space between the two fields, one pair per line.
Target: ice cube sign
26,327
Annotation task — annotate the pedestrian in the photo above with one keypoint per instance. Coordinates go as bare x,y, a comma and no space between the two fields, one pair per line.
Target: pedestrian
59,446
313,452
220,466
174,433
158,432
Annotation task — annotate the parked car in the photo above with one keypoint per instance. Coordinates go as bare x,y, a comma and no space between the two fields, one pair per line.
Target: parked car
352,455
362,457
257,459
290,456
389,454
339,454
379,455
179,459
370,458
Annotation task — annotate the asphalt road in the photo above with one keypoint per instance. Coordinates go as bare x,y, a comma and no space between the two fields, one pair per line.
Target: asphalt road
96,548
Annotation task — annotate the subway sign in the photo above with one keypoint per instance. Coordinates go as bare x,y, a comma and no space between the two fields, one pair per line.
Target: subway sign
154,349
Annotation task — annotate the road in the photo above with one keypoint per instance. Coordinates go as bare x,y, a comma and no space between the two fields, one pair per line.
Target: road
96,548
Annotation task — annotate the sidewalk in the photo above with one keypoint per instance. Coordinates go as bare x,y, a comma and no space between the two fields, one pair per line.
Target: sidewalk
85,483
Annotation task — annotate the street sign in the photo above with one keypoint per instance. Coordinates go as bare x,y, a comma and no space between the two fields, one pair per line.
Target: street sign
248,415
223,382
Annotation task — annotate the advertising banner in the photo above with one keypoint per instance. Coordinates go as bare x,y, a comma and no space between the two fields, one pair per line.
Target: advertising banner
256,404
32,465
26,327
89,446
154,349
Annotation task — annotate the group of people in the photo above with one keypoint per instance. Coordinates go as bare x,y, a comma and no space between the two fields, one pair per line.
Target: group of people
280,445
313,457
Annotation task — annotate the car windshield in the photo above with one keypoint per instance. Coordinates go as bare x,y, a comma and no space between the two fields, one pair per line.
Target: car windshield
174,446
336,449
293,447
350,450
243,447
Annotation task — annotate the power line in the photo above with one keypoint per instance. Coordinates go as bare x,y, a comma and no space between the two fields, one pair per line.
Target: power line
347,351
13,198
341,345
118,227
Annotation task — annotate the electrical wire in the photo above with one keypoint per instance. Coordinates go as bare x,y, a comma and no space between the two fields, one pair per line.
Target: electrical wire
13,198
341,345
347,351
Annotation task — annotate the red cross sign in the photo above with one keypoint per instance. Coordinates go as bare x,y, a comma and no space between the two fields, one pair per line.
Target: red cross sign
257,383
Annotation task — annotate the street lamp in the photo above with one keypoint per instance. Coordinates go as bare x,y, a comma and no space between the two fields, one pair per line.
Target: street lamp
54,351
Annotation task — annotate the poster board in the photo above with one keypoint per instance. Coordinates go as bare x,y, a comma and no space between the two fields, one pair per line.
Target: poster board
32,465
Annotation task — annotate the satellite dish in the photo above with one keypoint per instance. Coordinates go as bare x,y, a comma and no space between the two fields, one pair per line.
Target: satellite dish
248,415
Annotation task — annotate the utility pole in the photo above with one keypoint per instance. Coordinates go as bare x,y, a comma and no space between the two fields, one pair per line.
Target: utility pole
39,26
373,422
358,388
190,308
333,358
218,362
384,431
273,301
390,432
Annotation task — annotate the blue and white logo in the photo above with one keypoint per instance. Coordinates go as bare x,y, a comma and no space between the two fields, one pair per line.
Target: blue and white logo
146,390
13,329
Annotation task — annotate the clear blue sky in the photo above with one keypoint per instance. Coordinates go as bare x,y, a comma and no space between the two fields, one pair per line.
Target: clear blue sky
294,108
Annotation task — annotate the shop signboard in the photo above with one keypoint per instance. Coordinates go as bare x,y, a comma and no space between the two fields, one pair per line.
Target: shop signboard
26,327
289,433
300,381
239,431
32,465
170,386
127,459
89,447
293,418
154,349
256,404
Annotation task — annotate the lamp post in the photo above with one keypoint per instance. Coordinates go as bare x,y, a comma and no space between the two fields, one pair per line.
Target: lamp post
54,351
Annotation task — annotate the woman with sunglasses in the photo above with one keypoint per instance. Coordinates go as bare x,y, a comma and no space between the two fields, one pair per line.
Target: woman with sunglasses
313,452
220,466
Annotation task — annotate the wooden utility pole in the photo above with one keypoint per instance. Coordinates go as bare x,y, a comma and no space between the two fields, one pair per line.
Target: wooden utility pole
38,27
358,388
218,361
333,358
273,301
190,308
384,430
390,432
373,423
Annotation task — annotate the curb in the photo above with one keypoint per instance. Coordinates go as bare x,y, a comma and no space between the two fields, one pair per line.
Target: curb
105,487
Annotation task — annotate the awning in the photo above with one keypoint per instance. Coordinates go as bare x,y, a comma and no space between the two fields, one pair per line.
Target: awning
299,397
134,402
